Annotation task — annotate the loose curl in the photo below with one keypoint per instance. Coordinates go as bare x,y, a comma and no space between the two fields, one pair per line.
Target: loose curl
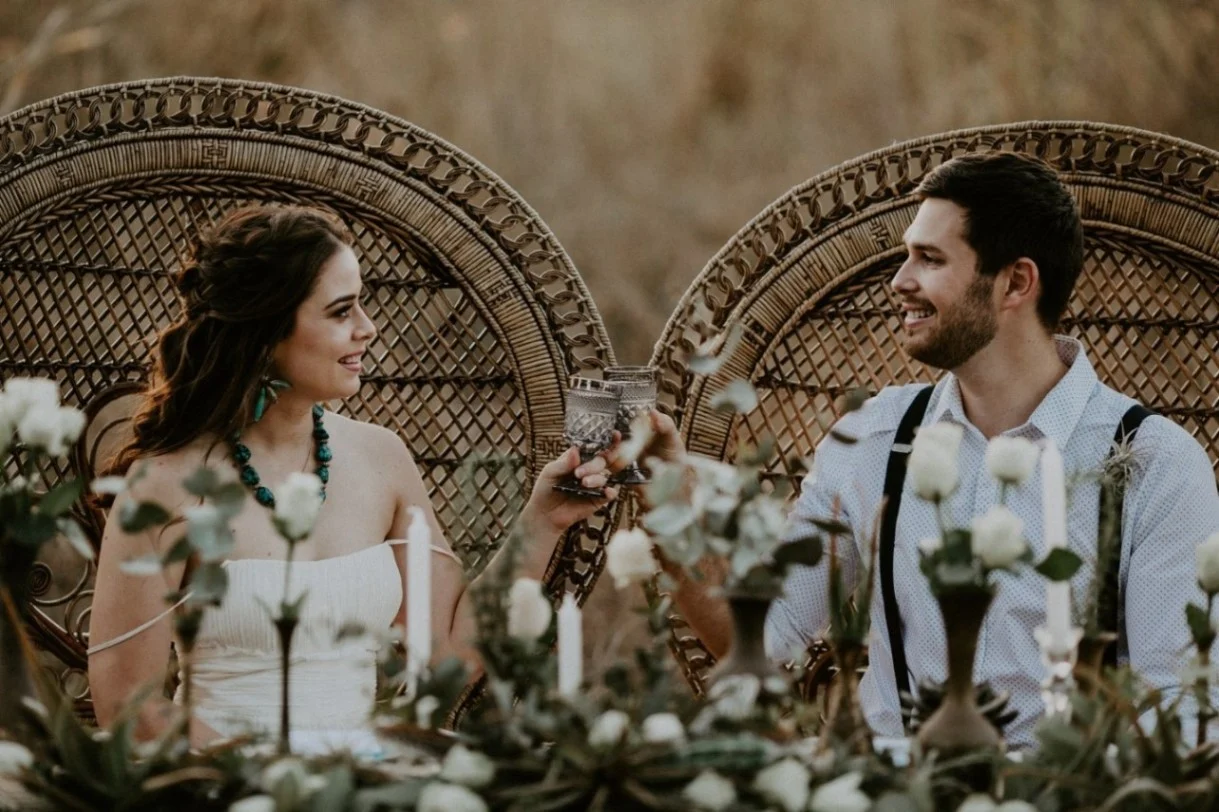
239,291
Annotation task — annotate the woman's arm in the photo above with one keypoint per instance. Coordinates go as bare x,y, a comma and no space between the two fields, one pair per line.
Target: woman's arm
122,602
544,518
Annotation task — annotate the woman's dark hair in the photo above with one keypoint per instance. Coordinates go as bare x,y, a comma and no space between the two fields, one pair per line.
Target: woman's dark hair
239,291
1016,206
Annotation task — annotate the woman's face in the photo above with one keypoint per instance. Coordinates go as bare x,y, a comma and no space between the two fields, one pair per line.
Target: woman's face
323,357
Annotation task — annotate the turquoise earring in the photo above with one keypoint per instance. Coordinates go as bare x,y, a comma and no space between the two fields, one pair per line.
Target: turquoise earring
268,393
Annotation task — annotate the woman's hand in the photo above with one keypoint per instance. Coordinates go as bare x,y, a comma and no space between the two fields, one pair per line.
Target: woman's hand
550,512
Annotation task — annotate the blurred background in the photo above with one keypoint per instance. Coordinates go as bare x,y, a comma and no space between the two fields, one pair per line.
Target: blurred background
647,132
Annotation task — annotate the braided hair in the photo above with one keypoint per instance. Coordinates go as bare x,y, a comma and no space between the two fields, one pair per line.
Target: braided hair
239,291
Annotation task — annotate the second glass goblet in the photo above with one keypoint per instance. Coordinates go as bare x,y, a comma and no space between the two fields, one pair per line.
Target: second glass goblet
592,410
638,385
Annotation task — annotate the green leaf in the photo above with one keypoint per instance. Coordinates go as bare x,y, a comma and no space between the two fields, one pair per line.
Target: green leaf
229,498
180,551
806,551
135,517
208,584
708,359
1199,622
202,482
832,526
149,564
33,529
1060,565
669,519
738,396
335,795
59,499
76,538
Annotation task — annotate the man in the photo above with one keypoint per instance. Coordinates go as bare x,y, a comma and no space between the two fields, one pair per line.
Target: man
994,253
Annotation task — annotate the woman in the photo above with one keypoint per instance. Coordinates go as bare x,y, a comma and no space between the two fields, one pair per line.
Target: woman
274,294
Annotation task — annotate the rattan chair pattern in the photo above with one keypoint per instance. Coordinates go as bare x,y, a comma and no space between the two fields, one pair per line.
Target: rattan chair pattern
807,283
482,316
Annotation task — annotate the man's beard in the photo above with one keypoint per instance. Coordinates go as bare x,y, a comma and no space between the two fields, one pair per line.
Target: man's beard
963,329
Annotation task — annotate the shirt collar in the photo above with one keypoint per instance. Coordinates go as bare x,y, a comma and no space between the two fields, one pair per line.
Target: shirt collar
1059,411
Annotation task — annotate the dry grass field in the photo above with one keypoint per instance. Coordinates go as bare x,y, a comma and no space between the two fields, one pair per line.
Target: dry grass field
646,132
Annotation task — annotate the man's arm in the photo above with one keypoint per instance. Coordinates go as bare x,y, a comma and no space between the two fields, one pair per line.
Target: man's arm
1171,507
802,614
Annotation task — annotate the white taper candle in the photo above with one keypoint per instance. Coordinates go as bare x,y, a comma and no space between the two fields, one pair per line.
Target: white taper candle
418,596
571,647
1054,527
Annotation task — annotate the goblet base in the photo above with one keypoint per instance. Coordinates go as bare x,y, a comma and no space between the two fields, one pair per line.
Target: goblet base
574,488
633,475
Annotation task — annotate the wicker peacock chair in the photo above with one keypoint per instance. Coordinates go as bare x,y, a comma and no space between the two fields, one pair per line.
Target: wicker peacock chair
482,316
808,282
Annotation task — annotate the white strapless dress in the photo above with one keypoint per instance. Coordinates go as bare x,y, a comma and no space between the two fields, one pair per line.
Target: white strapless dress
237,658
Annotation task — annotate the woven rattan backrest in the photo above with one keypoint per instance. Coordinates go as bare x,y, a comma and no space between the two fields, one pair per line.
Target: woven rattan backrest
807,282
481,315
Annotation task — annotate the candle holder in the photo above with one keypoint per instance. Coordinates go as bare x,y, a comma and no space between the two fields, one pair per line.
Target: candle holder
592,409
638,387
1059,659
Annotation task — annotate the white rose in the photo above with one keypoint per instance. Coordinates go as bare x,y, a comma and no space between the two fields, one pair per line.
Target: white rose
1207,554
52,430
608,729
977,803
628,557
998,537
71,424
931,545
440,797
14,758
23,395
663,728
932,467
288,781
1011,459
528,610
297,502
841,795
735,697
255,803
467,767
710,790
424,709
785,783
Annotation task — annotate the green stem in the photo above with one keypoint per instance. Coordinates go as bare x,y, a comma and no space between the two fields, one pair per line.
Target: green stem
285,624
939,518
1003,492
1202,686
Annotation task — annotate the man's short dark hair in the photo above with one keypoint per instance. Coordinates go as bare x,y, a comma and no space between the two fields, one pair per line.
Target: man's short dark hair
1016,206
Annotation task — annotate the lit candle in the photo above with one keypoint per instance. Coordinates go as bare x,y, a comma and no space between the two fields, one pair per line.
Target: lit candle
571,647
418,597
1054,526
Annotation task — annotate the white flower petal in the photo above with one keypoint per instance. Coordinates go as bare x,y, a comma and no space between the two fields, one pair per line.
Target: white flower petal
529,611
998,537
467,767
608,729
785,783
629,558
663,728
440,797
710,791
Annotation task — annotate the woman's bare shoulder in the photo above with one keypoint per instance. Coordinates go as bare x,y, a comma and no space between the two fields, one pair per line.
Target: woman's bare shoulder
160,476
374,441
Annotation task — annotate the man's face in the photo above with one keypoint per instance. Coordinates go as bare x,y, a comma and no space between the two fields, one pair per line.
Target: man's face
948,308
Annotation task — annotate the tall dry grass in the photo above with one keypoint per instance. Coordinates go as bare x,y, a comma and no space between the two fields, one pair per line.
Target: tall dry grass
646,132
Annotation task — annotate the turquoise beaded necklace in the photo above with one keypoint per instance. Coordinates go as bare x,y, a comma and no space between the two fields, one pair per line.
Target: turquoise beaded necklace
249,477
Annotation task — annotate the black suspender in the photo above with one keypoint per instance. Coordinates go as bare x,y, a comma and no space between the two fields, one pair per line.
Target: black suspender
1109,605
895,478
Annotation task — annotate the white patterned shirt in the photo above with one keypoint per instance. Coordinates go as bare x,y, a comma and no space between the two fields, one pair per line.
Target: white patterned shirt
1171,505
